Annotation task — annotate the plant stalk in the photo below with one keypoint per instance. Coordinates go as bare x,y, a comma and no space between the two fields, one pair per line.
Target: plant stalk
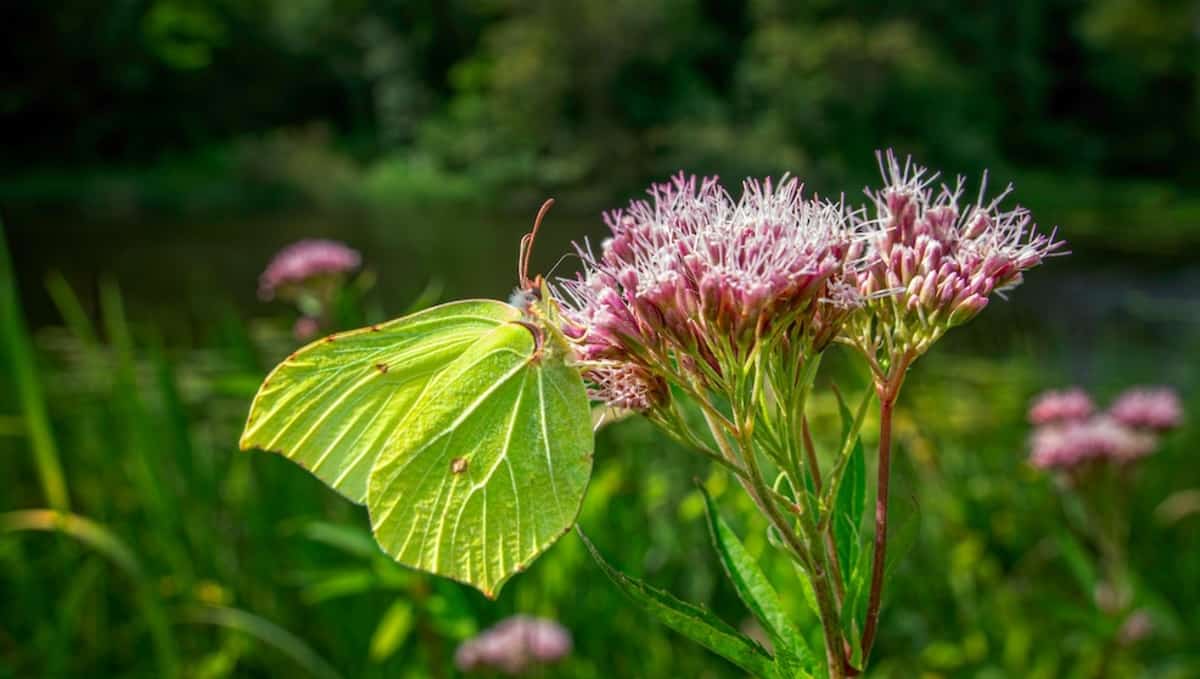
888,391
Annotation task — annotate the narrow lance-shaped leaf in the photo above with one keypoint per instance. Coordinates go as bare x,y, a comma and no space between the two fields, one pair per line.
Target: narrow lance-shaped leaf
849,507
756,591
491,466
335,405
695,623
851,501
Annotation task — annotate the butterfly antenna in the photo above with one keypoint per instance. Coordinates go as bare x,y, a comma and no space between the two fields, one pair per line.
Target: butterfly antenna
527,245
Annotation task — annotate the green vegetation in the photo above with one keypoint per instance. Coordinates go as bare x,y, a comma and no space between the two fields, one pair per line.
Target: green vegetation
155,152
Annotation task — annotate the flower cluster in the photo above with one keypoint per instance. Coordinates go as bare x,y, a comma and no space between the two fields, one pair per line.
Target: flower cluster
1068,434
1061,406
1148,408
693,274
933,262
305,260
514,646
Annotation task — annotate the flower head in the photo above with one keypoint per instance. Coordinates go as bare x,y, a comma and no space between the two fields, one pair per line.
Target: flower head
694,275
1155,408
933,261
305,260
514,645
1061,406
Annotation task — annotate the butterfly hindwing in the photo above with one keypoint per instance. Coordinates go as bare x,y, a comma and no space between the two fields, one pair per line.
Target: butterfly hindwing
492,466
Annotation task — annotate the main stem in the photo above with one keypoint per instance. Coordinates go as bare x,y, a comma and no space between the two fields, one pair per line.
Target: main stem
887,401
755,485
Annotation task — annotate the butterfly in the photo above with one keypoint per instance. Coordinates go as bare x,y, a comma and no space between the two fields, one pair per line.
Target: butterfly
464,428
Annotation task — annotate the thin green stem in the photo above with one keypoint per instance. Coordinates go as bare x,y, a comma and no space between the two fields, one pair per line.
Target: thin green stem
839,469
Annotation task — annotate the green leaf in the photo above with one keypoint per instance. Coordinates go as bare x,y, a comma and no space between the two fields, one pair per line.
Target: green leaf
1079,562
392,630
695,623
849,507
335,405
851,501
756,591
491,466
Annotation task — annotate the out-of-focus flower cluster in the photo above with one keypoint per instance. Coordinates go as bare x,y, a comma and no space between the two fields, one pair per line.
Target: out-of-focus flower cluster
1069,433
933,262
307,273
694,275
514,646
304,260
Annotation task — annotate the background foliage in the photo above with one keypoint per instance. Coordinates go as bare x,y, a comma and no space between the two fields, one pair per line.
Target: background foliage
154,153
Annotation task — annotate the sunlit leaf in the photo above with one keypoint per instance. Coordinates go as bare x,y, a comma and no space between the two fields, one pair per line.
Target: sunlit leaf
756,591
335,405
491,466
695,623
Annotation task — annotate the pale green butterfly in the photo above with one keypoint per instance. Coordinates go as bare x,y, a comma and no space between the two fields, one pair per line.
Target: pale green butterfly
464,428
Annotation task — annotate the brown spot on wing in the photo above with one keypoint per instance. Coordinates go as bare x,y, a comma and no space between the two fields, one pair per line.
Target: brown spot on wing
458,465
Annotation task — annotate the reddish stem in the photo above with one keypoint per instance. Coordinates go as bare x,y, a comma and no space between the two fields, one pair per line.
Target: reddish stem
888,391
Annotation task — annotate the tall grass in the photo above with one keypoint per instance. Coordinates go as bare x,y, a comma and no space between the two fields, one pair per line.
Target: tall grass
29,389
181,556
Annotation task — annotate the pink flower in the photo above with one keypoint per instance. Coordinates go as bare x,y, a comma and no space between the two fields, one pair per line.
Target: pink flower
304,260
514,646
306,327
1156,408
1061,406
1072,443
933,261
626,385
694,273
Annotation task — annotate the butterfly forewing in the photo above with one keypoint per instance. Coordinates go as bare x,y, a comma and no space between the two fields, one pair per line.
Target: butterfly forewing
492,466
335,405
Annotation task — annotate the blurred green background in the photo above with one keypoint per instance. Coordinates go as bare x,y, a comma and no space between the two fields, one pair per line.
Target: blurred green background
155,153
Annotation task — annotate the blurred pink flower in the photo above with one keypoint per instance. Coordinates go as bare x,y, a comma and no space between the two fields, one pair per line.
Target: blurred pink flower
1069,444
514,646
1138,626
306,259
1061,406
306,327
1156,408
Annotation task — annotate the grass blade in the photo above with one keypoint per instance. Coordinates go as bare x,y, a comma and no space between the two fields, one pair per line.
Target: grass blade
33,404
115,550
267,632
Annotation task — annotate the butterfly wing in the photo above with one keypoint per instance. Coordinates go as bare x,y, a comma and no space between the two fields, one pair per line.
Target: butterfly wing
334,406
491,468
